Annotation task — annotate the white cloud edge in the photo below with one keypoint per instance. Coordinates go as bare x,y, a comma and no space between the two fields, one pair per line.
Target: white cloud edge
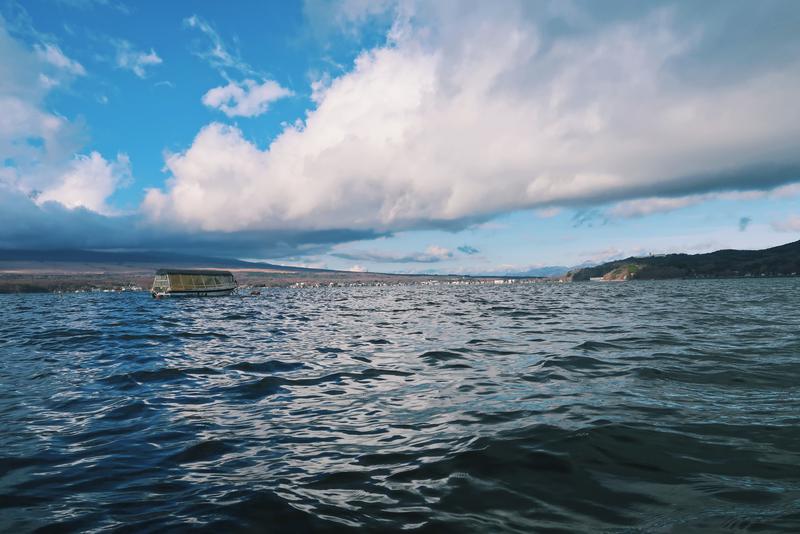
247,98
127,57
366,139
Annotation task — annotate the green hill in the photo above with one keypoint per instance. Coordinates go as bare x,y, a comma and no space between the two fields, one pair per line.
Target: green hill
783,260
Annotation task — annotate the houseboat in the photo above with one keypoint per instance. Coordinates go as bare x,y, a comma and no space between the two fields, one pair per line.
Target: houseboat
192,282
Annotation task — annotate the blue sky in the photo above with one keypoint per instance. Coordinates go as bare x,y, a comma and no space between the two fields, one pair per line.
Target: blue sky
448,137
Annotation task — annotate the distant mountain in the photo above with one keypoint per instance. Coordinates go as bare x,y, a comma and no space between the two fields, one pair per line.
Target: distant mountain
783,260
135,258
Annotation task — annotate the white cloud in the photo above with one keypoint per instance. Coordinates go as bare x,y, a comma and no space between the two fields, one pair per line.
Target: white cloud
786,191
38,147
34,142
441,253
789,224
347,16
432,254
547,213
465,115
490,226
219,55
52,54
136,61
609,254
357,269
90,4
88,183
648,206
245,99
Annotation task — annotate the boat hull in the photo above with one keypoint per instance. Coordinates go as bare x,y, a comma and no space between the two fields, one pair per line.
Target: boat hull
195,293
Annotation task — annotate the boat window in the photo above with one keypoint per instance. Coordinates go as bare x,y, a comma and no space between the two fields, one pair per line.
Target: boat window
184,282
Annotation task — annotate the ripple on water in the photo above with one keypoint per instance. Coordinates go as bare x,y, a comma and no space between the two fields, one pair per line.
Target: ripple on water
521,408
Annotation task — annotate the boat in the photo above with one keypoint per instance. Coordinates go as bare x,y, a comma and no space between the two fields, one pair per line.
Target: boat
192,283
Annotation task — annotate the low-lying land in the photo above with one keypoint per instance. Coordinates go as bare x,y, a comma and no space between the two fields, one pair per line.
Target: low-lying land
70,272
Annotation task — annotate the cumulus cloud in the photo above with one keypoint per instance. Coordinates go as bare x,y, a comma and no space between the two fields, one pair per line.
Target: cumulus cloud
461,114
88,182
468,250
245,99
136,61
466,113
432,254
54,194
35,143
42,164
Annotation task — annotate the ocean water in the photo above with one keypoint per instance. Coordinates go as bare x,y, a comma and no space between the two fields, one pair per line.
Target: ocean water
637,407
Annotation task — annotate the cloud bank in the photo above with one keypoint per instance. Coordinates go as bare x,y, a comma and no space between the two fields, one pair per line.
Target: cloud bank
466,113
463,113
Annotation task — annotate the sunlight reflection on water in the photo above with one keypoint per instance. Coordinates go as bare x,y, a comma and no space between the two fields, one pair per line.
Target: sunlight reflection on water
662,405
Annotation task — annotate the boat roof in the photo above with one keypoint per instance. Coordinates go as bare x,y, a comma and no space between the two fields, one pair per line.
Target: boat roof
204,272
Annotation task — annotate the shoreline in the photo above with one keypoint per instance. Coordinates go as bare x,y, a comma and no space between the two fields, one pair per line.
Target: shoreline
94,281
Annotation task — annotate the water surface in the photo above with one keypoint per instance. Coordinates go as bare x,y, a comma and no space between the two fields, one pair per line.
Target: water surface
655,407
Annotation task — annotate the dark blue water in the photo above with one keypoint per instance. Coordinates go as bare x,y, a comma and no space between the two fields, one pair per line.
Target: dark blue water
636,407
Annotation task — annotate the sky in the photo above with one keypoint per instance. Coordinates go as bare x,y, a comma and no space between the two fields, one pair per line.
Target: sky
411,136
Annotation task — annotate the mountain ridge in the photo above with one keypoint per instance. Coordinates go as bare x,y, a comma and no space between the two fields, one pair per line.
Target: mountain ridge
164,259
781,260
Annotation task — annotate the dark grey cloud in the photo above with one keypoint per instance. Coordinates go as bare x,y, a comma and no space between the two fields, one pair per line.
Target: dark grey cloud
468,250
760,176
755,177
26,225
589,217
